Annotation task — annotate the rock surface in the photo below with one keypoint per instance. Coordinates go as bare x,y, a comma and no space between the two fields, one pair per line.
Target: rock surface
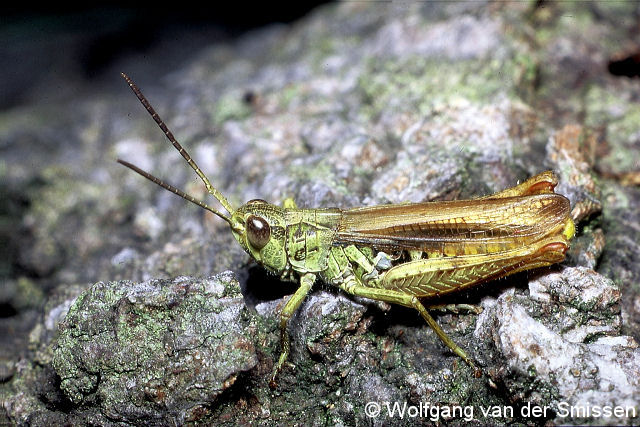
119,312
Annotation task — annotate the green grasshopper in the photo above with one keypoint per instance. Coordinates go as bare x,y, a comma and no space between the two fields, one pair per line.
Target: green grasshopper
396,253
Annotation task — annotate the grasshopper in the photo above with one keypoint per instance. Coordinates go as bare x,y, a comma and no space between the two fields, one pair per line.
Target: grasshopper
395,253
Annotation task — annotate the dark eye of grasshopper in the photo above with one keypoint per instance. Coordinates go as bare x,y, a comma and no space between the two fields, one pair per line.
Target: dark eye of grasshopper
258,231
255,201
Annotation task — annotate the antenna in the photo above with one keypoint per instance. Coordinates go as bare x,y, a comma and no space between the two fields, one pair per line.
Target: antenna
210,188
173,189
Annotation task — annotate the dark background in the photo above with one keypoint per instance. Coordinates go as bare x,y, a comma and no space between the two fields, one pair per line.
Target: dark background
41,46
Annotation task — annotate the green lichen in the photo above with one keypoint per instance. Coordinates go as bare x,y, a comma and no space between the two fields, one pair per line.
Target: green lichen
230,106
122,342
401,84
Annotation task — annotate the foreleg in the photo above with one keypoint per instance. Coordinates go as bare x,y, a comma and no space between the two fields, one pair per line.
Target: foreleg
306,282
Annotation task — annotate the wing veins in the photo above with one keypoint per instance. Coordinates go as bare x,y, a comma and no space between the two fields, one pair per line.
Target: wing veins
433,225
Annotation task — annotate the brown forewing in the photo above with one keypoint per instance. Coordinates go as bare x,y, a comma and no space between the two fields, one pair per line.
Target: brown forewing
455,227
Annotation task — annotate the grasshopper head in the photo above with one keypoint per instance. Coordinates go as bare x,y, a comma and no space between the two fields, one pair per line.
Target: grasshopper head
260,228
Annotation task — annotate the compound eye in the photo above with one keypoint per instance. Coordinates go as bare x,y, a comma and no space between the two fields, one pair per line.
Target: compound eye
258,231
256,201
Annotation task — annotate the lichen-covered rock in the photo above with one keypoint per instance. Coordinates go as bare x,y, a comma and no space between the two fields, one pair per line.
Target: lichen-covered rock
356,104
158,351
563,346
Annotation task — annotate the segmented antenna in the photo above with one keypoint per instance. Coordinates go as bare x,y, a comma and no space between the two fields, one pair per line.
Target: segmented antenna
173,189
210,188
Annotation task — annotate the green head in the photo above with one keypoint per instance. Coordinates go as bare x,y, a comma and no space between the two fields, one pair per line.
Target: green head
258,226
